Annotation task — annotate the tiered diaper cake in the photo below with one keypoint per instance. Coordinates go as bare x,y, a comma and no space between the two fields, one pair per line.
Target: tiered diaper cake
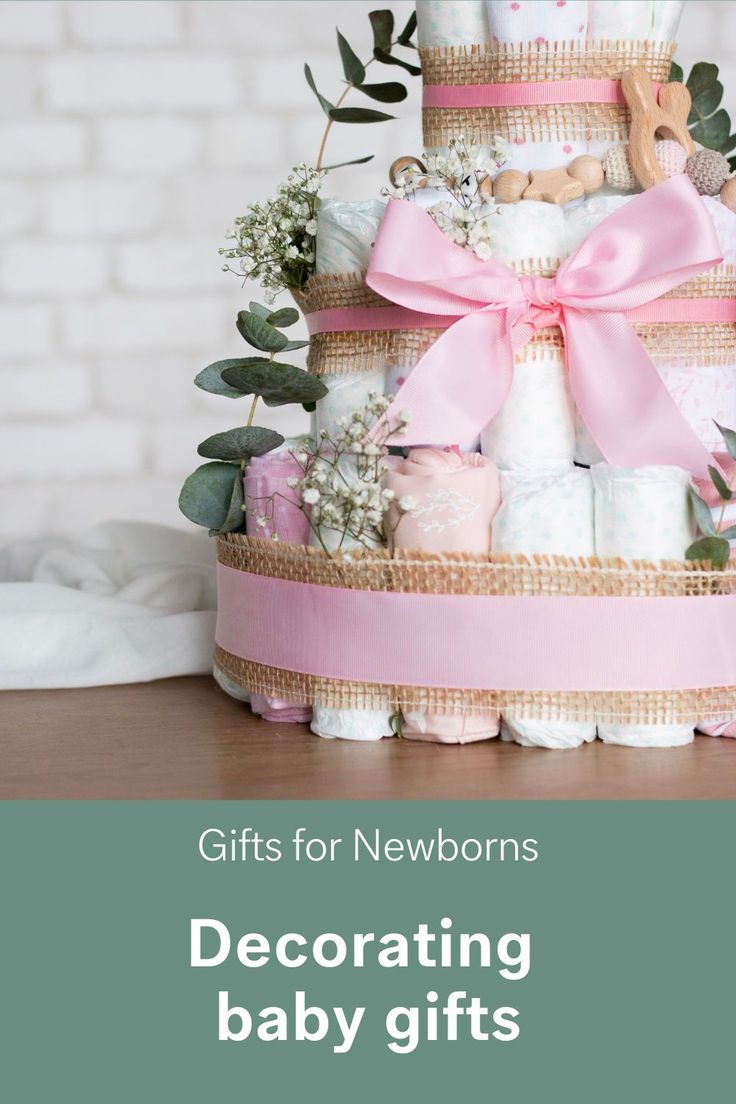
560,334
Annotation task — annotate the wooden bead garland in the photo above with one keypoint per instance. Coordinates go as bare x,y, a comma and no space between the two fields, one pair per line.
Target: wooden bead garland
665,115
510,185
588,171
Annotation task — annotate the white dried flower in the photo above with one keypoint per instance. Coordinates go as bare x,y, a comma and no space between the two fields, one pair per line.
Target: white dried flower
407,504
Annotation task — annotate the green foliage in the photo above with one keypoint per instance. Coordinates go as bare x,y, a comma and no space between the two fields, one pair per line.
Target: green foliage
241,443
354,70
213,496
703,515
708,122
713,550
729,437
277,384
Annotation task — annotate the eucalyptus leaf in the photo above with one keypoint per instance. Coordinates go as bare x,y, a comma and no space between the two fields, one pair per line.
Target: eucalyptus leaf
701,509
716,550
713,131
235,517
382,23
405,37
388,59
706,102
324,103
291,345
730,533
357,161
207,493
310,407
352,66
729,437
702,75
257,308
277,384
240,443
389,92
287,316
358,115
676,73
728,146
210,379
720,484
259,333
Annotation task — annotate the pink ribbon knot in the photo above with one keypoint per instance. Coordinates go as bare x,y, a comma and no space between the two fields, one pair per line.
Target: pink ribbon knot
657,241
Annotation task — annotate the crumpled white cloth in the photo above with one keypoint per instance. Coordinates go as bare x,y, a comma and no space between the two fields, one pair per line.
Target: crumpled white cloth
124,602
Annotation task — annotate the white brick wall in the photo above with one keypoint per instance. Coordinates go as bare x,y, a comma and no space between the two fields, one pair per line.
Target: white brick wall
131,132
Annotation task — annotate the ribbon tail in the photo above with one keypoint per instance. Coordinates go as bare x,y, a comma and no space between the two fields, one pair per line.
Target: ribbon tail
628,410
452,392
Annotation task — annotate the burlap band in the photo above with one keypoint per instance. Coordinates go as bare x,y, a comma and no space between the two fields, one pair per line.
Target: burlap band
502,63
412,572
693,344
459,574
641,707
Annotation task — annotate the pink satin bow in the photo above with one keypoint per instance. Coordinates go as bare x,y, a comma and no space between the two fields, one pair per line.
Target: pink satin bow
660,239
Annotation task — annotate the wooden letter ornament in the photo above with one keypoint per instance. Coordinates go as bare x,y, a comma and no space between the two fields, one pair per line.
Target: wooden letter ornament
666,118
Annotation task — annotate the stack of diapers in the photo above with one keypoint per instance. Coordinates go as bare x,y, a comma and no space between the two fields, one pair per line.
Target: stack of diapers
346,724
346,232
455,496
643,514
272,512
548,511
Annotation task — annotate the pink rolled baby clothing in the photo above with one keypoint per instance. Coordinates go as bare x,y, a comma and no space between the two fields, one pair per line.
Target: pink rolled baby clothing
270,500
445,501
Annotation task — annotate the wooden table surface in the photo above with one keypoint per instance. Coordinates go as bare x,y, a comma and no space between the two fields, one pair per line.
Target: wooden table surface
184,738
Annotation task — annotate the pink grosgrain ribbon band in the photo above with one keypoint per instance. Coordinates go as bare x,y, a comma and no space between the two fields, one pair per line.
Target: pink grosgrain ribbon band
524,94
478,642
365,319
660,239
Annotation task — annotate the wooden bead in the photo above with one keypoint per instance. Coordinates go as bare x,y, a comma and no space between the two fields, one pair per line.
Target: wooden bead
405,164
666,117
728,194
588,171
485,188
509,186
553,186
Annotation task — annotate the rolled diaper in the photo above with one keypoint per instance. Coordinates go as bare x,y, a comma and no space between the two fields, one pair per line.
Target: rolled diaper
543,24
347,393
643,514
346,232
546,512
720,726
453,497
451,22
619,20
346,724
529,231
666,20
704,394
535,427
272,512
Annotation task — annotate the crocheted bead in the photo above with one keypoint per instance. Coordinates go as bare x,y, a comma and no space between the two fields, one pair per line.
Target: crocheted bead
617,168
708,169
671,157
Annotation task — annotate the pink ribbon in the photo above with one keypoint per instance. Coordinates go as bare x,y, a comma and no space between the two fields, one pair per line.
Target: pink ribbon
660,239
478,641
524,93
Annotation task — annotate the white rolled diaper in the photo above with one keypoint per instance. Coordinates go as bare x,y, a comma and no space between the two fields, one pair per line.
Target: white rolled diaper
535,427
529,231
543,24
347,393
620,19
350,724
581,219
346,232
643,514
724,221
547,511
666,20
704,394
451,22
